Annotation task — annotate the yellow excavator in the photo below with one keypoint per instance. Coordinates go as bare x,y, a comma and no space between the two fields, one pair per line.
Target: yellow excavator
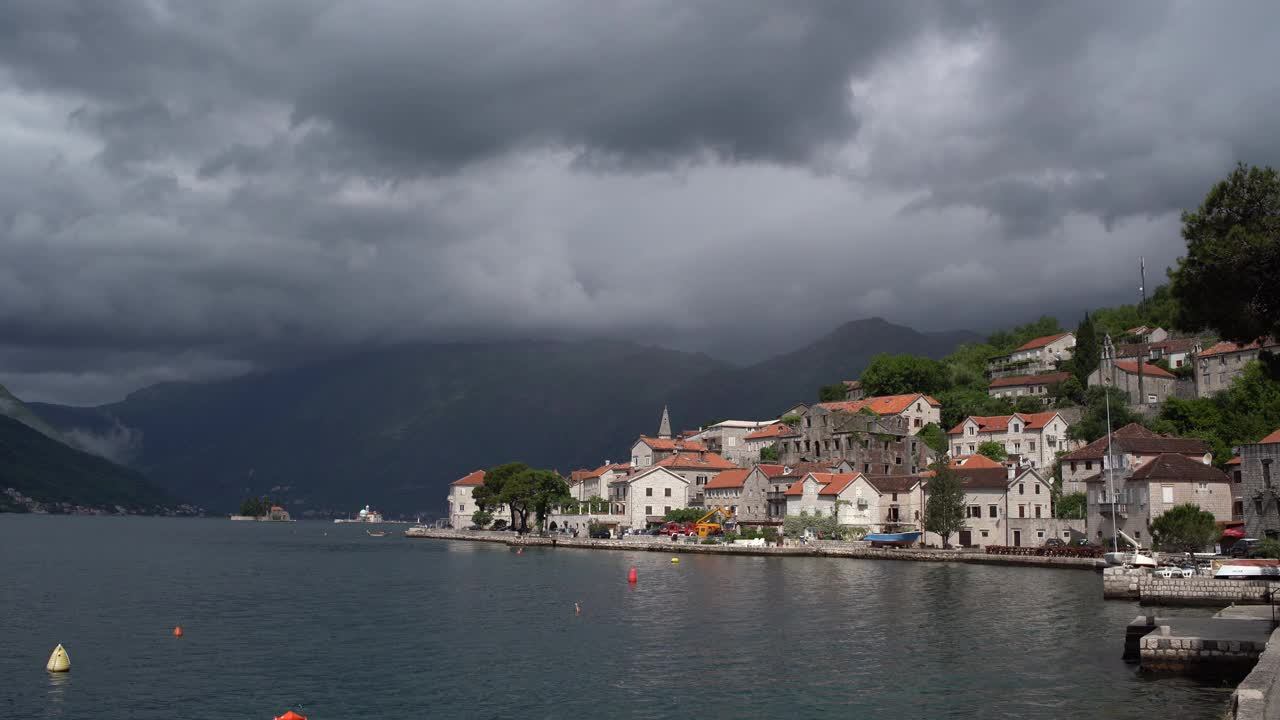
706,528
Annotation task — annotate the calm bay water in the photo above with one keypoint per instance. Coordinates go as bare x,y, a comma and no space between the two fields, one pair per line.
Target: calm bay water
326,620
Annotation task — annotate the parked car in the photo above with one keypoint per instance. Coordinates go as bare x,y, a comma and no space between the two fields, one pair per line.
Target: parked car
655,532
1245,547
601,534
1055,542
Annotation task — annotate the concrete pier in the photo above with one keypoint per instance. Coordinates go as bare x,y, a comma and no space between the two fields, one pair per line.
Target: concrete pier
1200,645
1138,584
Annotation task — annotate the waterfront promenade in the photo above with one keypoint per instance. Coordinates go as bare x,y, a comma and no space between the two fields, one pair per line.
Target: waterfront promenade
815,548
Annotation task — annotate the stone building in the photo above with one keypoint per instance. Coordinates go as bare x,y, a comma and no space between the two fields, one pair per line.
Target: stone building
595,483
698,468
1040,355
462,505
1132,445
1259,488
767,436
1034,438
873,444
778,479
648,451
1016,386
853,390
916,408
1152,386
1004,505
746,492
875,504
1175,351
1218,366
729,440
1131,497
642,499
1145,334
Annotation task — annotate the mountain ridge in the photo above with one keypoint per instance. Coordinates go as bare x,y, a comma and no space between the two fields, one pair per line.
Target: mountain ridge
393,426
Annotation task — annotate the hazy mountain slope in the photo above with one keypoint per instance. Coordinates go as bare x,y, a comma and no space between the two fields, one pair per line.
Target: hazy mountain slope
12,407
50,472
394,427
769,387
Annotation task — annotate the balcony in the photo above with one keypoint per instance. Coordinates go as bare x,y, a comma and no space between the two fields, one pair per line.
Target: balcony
776,496
1121,508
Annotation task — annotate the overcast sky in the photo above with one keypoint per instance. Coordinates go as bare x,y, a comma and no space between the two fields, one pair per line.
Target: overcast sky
191,190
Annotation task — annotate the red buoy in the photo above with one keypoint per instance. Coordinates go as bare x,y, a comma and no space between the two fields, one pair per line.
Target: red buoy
631,576
177,631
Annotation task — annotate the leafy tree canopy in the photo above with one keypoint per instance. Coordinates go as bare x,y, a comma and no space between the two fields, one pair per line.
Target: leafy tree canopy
482,518
1246,412
256,506
993,450
1184,528
1227,281
1094,423
1160,310
934,438
769,453
1071,506
1029,404
682,515
1087,353
900,374
832,393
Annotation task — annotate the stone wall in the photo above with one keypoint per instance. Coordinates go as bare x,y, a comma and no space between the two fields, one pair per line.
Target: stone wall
1161,652
1258,696
1138,584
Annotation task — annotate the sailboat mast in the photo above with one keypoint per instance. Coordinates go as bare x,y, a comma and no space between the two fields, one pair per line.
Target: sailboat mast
1111,473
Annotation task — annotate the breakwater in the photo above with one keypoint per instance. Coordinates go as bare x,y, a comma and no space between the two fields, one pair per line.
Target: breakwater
1139,584
820,548
1258,695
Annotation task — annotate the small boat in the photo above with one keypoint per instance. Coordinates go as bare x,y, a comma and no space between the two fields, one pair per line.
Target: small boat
378,533
1139,558
892,539
1248,569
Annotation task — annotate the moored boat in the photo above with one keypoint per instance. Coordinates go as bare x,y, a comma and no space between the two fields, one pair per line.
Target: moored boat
892,539
1246,569
1130,559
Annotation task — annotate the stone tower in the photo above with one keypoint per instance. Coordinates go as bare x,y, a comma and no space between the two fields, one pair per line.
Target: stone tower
664,428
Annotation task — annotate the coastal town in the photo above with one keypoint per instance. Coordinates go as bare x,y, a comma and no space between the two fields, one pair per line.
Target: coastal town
866,464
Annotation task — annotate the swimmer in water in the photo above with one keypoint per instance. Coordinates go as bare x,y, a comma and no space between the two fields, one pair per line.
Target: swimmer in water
577,609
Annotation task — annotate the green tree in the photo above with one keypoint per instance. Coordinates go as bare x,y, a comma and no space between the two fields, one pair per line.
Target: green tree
901,374
1067,393
792,420
1093,424
489,495
682,515
256,506
769,454
934,438
1227,281
1086,355
960,402
832,393
1029,404
944,509
482,518
596,504
1004,341
993,450
549,491
1070,506
1184,528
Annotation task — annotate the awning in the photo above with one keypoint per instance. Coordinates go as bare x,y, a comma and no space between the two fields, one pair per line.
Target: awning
1233,532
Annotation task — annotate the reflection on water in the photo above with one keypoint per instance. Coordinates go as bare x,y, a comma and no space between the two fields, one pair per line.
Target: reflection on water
334,624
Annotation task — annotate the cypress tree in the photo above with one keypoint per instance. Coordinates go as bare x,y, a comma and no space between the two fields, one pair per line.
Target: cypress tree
1087,354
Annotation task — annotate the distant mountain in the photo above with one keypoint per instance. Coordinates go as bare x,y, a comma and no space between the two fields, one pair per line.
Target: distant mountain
393,427
37,471
769,387
12,407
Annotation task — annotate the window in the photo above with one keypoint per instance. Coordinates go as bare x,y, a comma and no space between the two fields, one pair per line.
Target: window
970,431
1166,494
975,511
1137,534
648,509
971,448
666,510
1022,488
648,492
1073,466
1037,488
1039,533
866,467
917,422
1237,508
1022,511
1038,515
1202,487
897,461
1031,445
1235,475
993,510
1066,534
984,533
895,497
957,449
886,469
462,507
1088,464
1016,427
666,492
1266,472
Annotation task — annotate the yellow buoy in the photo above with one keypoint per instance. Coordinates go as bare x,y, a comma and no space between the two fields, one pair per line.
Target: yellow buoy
59,661
675,560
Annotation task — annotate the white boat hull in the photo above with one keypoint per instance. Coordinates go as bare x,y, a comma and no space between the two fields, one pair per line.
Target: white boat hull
1129,559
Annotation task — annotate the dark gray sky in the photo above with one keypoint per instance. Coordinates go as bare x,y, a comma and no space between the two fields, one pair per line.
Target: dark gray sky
194,189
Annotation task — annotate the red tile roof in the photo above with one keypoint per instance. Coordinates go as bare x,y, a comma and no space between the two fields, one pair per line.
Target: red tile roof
735,478
1136,439
696,461
883,405
605,468
672,444
1041,341
1023,380
835,483
1000,423
1226,346
972,462
772,431
475,478
1272,438
797,487
771,470
1233,461
1147,369
1174,466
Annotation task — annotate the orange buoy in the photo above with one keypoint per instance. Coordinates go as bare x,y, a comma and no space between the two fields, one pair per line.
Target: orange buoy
519,551
631,576
177,631
291,715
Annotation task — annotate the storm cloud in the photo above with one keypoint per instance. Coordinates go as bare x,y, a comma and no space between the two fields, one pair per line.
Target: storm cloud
191,190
